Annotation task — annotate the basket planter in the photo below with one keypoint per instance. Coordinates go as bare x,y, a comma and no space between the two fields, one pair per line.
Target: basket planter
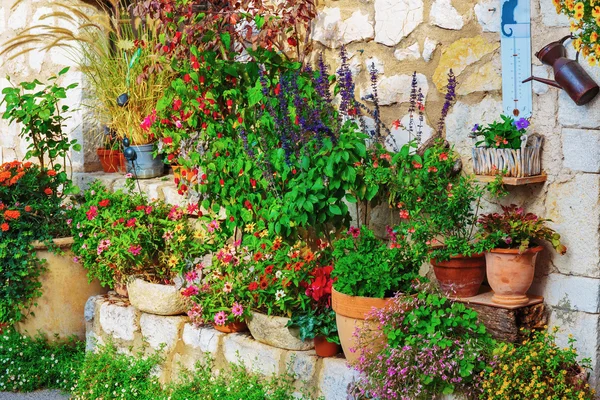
460,276
323,348
65,290
519,163
351,312
154,298
274,332
238,326
510,274
111,160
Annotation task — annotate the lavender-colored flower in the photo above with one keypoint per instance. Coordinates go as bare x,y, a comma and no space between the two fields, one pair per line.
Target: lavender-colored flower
475,128
450,97
521,123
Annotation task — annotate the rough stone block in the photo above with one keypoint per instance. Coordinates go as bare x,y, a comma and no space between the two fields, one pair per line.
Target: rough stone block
444,15
302,364
257,357
160,330
396,19
336,377
89,310
549,15
581,149
488,15
569,292
172,197
574,210
204,338
118,321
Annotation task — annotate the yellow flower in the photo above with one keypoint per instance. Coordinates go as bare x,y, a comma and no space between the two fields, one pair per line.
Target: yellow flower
570,5
598,20
593,38
181,238
250,227
577,44
178,228
596,12
173,261
263,234
579,7
578,15
556,4
200,234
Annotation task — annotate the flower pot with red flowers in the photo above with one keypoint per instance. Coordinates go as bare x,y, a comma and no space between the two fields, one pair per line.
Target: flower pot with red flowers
503,146
367,273
513,238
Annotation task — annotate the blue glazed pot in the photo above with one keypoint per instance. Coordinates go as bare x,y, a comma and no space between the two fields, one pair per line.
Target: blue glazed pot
146,166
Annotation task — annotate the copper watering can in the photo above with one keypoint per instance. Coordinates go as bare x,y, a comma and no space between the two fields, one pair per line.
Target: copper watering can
568,74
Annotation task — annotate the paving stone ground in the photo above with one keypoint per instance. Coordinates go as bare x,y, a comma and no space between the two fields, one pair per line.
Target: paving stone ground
39,395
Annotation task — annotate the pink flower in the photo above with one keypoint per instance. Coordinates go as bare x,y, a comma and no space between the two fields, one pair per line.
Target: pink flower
129,175
404,214
130,223
168,235
220,318
76,260
178,124
92,213
135,250
191,276
190,291
195,314
148,121
354,231
213,226
103,245
237,309
228,287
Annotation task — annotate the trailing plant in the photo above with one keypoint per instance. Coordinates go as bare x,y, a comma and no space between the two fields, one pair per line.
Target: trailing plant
32,363
504,134
31,208
537,368
585,27
368,267
121,234
515,229
35,105
433,346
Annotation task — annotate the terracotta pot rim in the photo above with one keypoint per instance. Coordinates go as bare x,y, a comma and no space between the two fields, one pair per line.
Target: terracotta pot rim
440,264
358,297
61,242
105,151
535,249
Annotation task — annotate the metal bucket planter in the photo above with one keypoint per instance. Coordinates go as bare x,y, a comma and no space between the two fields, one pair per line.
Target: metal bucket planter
518,163
145,166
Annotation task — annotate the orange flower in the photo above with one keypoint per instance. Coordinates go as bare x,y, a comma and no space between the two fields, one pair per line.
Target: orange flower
51,172
4,227
4,175
48,191
11,214
28,208
27,164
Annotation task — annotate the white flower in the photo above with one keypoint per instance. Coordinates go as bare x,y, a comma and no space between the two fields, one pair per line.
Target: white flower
278,274
280,294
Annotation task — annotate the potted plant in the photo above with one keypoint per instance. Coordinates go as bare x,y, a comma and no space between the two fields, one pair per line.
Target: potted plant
136,246
110,155
35,246
218,294
318,322
367,273
513,238
503,146
432,347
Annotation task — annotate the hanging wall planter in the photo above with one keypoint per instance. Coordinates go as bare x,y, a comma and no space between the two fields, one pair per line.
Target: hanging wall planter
523,162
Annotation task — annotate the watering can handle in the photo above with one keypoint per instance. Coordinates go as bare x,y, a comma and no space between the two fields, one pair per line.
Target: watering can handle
543,80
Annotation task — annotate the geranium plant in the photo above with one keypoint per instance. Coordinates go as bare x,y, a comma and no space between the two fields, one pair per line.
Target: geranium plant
504,134
433,346
369,267
515,229
537,368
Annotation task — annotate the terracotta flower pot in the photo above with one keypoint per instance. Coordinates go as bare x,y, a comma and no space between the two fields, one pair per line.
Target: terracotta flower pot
273,331
154,298
111,160
460,276
323,348
238,326
510,274
350,313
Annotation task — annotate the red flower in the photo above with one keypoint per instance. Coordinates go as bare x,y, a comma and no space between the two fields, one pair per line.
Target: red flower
177,104
253,183
432,169
28,208
294,171
417,165
443,156
48,191
253,286
4,227
203,177
292,41
104,203
51,172
221,182
277,89
241,172
229,103
263,283
187,78
170,157
240,120
190,291
130,223
92,213
397,124
404,214
248,205
168,140
269,269
258,256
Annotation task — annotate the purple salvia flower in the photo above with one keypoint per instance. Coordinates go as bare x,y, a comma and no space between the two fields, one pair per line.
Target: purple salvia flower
450,97
420,100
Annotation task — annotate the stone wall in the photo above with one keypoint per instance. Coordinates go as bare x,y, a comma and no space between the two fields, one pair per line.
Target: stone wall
15,17
431,36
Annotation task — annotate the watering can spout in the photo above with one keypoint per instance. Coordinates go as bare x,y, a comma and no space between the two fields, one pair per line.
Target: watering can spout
543,80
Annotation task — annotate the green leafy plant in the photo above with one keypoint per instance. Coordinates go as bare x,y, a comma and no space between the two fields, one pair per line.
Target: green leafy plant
433,346
503,134
42,119
316,323
366,266
30,364
515,229
537,368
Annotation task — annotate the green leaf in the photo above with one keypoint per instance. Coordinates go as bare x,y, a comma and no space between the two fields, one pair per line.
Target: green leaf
335,209
226,39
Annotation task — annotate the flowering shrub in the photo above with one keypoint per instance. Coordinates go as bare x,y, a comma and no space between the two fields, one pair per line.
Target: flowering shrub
433,346
537,369
31,208
585,26
516,229
366,266
504,134
121,234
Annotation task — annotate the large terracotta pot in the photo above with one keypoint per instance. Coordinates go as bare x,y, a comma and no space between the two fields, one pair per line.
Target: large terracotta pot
65,290
274,332
460,276
323,348
154,298
238,326
510,274
111,160
351,312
